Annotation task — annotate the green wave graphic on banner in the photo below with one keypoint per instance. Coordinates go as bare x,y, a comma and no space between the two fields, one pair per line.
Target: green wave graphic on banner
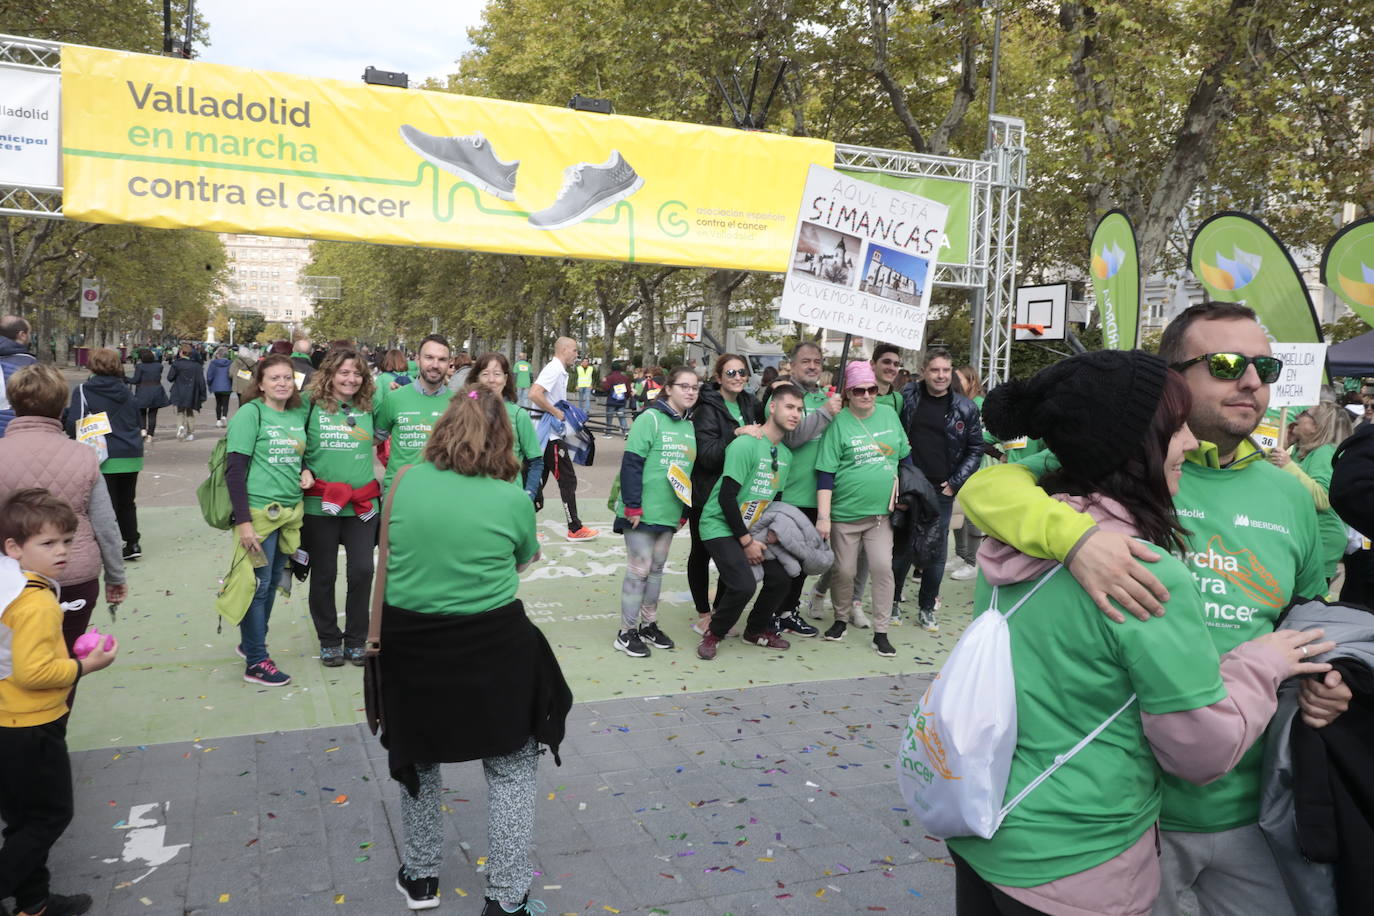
1115,273
1237,259
1348,267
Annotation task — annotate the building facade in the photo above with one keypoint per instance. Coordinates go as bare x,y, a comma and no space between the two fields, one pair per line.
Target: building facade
266,277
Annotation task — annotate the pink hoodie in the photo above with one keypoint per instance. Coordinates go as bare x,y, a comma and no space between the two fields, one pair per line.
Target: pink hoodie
1199,745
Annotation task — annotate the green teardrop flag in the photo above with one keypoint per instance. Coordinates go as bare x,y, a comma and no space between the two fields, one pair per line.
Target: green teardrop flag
1237,259
1116,280
1348,267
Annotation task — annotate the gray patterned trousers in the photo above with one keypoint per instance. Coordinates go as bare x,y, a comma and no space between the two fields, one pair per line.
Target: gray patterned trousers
511,788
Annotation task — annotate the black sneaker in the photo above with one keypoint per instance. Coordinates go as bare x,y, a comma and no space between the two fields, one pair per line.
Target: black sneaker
60,905
628,641
793,624
651,634
883,646
836,631
421,893
266,674
132,550
494,908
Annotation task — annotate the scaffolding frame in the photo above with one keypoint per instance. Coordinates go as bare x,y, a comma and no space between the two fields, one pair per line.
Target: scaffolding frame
996,181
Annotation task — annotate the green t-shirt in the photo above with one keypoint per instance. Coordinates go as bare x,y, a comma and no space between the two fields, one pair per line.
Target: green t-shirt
732,408
274,440
522,374
863,455
121,465
338,451
801,477
526,440
1330,529
1074,668
892,399
1252,546
383,384
761,476
668,447
409,415
414,368
438,567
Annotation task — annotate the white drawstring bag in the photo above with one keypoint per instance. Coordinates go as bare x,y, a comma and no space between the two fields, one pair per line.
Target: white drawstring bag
956,753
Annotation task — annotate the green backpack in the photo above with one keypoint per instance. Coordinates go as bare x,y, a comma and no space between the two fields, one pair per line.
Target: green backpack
213,493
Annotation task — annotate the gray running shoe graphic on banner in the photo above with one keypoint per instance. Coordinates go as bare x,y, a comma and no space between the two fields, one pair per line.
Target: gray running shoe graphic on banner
587,189
469,157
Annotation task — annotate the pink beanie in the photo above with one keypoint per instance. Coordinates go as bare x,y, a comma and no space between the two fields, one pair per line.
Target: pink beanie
859,374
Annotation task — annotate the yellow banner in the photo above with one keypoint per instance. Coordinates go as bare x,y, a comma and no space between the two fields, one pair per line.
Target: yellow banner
165,142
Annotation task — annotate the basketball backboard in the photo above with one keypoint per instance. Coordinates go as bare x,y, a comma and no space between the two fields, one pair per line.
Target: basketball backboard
1042,309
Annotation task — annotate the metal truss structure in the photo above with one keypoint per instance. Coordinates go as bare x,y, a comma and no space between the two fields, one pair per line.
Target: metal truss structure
996,181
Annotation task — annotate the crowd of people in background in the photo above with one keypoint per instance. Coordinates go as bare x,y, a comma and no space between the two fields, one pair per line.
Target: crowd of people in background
849,480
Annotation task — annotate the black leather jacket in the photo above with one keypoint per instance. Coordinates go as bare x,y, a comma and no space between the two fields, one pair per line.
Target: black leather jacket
715,430
963,431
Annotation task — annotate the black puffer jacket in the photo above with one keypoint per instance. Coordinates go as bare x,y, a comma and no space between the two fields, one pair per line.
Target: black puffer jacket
715,430
1352,481
110,394
963,431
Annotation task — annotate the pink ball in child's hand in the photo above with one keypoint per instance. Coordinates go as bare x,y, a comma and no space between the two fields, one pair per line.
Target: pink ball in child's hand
86,643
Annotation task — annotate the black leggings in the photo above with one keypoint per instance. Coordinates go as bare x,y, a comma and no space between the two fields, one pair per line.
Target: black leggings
222,405
557,463
321,536
698,565
975,897
148,419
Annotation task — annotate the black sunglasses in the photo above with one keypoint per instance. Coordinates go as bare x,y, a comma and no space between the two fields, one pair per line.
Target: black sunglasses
1231,366
871,389
773,453
736,373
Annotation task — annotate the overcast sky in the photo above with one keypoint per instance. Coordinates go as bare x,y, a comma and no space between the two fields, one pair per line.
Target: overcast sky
339,39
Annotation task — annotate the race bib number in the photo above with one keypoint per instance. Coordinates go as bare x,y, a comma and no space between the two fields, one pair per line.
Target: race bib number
751,512
300,380
1267,435
618,391
92,425
681,482
246,375
1015,443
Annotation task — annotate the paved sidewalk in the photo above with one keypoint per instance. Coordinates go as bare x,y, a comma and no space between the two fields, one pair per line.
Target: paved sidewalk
756,800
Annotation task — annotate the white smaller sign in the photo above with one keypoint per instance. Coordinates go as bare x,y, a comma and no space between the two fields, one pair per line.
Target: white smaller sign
90,298
157,319
1300,383
30,151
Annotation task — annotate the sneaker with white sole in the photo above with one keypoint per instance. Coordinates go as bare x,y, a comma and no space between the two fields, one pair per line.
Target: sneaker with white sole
420,893
706,650
815,608
792,623
469,157
628,641
883,646
588,189
926,617
896,619
583,534
267,674
651,635
964,573
858,617
702,625
836,631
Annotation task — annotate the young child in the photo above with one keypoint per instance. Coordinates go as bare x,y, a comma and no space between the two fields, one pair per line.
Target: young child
36,530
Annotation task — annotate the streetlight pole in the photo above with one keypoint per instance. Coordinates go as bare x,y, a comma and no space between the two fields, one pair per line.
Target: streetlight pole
231,332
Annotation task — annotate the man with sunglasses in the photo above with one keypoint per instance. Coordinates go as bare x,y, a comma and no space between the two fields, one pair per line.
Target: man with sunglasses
757,471
1252,548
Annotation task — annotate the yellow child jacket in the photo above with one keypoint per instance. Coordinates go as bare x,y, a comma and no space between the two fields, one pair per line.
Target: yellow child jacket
36,672
240,582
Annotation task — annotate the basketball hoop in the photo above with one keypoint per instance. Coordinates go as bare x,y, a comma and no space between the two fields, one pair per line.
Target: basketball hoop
1037,329
684,335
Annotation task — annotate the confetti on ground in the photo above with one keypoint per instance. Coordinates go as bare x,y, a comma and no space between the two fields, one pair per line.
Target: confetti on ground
341,799
223,898
338,898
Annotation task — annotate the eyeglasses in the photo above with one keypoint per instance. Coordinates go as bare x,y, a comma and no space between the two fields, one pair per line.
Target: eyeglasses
686,386
871,389
736,373
1231,366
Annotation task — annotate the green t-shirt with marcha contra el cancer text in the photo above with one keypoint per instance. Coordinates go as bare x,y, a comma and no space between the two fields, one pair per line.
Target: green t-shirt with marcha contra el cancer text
762,478
338,451
801,489
274,440
863,454
408,415
669,449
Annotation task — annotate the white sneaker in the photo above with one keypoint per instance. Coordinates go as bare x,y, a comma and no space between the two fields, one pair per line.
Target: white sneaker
964,573
220,423
190,437
816,608
858,617
181,431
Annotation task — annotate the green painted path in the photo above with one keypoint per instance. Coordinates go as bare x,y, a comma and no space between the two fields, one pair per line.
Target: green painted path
178,679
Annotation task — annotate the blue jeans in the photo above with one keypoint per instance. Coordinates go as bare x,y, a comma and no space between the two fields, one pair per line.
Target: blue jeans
614,411
253,626
933,574
522,396
584,399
